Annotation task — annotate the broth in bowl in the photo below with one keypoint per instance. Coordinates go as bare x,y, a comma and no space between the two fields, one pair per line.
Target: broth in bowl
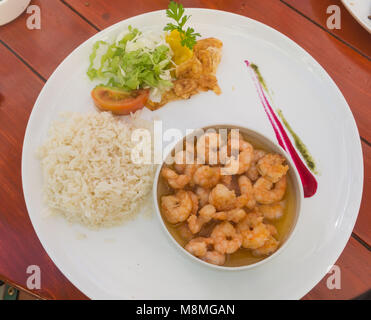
230,198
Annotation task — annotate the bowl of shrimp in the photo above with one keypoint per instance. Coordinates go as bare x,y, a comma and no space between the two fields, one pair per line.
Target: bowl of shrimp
228,197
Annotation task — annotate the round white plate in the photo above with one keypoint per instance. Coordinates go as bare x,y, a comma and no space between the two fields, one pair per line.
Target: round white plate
360,10
137,260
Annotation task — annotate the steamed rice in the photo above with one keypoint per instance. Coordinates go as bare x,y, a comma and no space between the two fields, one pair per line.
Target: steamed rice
87,169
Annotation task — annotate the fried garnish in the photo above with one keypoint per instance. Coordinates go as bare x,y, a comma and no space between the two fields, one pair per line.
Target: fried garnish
196,74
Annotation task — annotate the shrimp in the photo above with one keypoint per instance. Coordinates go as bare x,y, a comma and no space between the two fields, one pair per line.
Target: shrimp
214,257
271,167
206,176
207,148
254,233
181,159
244,160
272,211
266,193
203,196
198,246
247,195
189,171
194,199
222,198
175,180
178,207
253,173
272,229
203,248
195,222
267,248
234,215
184,232
226,239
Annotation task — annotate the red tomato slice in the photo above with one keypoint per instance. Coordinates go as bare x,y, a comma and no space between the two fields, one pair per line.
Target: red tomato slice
119,101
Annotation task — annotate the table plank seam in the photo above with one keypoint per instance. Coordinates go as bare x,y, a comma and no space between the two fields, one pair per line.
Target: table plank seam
327,31
23,61
361,241
80,15
365,141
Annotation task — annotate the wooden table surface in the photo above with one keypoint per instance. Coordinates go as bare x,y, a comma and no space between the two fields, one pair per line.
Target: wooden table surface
28,57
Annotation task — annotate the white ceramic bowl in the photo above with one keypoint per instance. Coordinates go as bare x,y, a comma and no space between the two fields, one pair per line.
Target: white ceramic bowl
295,180
11,9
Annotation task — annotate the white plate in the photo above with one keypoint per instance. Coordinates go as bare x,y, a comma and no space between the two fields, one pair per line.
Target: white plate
360,10
137,260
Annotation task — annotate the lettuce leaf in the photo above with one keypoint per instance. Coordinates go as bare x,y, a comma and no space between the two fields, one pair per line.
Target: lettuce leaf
146,67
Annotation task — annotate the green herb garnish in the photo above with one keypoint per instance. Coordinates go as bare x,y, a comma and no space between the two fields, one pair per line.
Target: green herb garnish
188,37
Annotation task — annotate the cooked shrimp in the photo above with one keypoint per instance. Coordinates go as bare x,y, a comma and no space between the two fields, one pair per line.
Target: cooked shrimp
272,211
254,234
207,148
206,176
195,222
203,196
267,193
184,232
247,195
272,167
272,229
194,199
178,207
267,248
199,246
226,239
189,171
222,198
253,173
181,159
244,160
175,180
234,215
242,143
214,257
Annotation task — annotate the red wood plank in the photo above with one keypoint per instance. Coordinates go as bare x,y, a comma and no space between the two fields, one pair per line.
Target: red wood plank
354,266
19,245
350,70
351,31
61,31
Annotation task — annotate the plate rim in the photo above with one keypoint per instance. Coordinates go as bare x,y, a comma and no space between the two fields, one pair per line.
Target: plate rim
355,200
353,14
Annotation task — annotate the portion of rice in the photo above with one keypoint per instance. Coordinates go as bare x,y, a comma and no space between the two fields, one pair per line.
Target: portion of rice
87,169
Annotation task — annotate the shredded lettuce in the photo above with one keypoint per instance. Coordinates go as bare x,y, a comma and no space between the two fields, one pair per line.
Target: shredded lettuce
135,60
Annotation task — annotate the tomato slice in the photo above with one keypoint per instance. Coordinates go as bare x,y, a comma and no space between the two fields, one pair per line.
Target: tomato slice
119,101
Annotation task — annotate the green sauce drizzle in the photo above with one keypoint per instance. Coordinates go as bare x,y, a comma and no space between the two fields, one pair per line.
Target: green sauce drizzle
299,144
260,77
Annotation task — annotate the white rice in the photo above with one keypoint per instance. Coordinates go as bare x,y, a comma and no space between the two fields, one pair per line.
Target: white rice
87,169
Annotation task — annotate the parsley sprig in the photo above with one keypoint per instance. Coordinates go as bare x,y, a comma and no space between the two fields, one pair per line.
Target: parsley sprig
187,37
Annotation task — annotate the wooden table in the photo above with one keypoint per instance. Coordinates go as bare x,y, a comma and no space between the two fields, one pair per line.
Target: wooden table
28,57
